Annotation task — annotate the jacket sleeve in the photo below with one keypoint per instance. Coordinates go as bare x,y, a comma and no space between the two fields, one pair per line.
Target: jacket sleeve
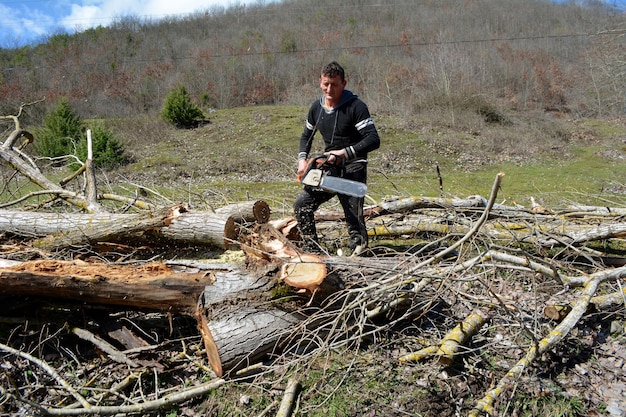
370,140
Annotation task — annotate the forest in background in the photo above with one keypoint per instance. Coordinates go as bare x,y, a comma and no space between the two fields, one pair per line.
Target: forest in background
402,57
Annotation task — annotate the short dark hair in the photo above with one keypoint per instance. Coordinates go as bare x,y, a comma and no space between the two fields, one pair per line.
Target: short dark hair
333,69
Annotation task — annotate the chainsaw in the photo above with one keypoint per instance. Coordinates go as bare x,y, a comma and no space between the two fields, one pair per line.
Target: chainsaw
315,176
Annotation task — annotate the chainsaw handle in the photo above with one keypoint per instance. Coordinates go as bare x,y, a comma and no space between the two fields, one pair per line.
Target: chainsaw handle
313,163
317,162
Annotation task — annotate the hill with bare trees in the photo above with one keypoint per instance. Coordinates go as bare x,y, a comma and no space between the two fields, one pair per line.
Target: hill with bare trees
403,57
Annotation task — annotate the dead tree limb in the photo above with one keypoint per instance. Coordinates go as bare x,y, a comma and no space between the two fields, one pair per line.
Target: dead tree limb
451,343
24,165
86,408
579,307
287,404
104,346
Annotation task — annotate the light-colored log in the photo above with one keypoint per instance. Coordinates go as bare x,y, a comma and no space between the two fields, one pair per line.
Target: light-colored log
306,271
247,211
203,228
170,223
397,204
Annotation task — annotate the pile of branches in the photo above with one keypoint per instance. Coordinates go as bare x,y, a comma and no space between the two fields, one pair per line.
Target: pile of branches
481,262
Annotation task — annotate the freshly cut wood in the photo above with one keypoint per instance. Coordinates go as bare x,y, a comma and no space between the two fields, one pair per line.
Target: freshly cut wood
247,211
288,226
305,271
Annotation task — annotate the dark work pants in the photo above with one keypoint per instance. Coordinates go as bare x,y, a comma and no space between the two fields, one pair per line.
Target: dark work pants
310,199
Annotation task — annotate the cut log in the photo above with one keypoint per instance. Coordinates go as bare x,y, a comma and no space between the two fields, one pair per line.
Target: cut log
236,332
110,231
203,228
247,211
152,286
245,335
305,271
242,315
173,223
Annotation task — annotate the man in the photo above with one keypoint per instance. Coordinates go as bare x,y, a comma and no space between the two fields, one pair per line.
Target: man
349,133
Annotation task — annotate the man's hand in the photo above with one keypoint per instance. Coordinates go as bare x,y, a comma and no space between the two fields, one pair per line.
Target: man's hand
335,158
302,165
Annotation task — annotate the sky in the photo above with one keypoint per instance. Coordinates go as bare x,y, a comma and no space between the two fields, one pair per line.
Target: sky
24,22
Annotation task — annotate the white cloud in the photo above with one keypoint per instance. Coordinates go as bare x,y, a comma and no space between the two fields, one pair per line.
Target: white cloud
30,22
93,13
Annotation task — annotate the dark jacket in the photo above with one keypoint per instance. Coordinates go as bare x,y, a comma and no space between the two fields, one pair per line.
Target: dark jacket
347,126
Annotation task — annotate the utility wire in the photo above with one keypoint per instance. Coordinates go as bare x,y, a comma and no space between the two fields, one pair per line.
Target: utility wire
357,47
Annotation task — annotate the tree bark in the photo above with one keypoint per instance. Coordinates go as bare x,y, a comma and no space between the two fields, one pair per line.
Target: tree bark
247,211
242,309
152,286
67,229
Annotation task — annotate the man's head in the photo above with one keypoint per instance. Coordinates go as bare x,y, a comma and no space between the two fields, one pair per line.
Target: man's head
332,83
334,70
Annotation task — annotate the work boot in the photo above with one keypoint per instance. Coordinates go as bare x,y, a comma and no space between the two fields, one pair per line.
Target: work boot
358,250
357,246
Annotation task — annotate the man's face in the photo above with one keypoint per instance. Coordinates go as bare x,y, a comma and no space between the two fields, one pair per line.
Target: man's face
332,88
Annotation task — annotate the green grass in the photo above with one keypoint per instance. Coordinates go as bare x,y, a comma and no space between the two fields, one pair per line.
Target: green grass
251,153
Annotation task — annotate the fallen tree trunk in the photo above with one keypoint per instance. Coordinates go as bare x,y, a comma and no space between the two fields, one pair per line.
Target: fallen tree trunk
152,286
544,231
231,298
242,314
60,230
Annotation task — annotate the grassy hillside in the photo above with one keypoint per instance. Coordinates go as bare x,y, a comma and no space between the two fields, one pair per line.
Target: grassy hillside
403,57
469,87
252,152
